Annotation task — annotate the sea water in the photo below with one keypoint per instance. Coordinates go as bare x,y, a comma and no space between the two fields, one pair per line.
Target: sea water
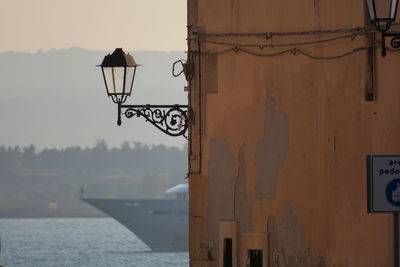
77,242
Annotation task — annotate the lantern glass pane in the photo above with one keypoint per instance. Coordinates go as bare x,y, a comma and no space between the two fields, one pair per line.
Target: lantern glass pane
393,9
382,9
114,78
108,80
371,9
130,76
119,73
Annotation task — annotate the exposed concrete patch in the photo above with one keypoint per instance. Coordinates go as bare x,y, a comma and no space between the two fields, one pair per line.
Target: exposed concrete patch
243,207
227,188
287,244
271,151
221,186
243,211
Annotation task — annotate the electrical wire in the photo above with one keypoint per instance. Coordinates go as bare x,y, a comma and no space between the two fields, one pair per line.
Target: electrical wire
269,35
243,47
292,51
262,46
182,62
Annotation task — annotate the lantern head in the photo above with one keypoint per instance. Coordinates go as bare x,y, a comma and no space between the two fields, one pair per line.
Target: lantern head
382,13
119,71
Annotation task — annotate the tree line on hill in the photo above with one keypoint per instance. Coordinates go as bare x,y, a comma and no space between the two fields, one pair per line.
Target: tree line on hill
48,183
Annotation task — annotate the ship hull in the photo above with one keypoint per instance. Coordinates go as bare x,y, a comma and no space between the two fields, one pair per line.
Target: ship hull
162,224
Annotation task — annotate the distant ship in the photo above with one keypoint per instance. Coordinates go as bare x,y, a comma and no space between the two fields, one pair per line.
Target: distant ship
162,224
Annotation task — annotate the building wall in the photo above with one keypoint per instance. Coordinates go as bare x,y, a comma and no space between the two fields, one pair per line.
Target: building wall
278,144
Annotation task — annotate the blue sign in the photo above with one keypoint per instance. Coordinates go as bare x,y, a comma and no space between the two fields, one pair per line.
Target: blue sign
383,183
393,192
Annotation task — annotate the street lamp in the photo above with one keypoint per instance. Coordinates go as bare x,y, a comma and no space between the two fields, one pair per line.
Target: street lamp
119,71
383,17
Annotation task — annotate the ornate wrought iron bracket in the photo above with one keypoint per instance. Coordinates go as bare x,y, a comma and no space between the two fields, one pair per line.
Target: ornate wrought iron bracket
170,119
395,42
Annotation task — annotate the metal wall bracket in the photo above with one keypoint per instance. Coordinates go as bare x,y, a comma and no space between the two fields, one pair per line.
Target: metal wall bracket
170,119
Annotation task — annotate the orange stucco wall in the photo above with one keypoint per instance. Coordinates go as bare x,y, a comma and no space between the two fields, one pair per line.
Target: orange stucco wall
278,144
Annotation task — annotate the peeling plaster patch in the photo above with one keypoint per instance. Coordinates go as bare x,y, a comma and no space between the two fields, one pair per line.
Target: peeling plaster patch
243,211
287,244
221,180
243,207
271,151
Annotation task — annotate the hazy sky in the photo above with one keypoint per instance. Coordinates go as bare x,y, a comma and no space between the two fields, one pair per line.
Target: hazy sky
48,29
32,25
